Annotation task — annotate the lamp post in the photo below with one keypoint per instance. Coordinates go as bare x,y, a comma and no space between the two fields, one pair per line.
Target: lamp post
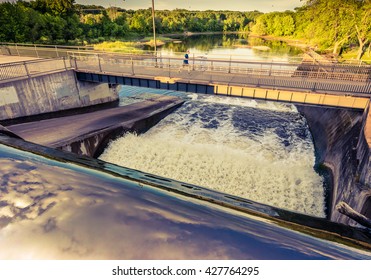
154,28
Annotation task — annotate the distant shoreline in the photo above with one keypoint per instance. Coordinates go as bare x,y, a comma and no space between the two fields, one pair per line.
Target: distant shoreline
292,42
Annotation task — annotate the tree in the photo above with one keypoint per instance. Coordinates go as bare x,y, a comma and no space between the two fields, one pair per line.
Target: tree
362,24
327,23
63,8
12,22
138,23
288,25
73,29
34,26
231,24
54,28
260,27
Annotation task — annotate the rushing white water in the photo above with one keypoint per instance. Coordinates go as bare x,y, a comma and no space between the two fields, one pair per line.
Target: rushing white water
262,151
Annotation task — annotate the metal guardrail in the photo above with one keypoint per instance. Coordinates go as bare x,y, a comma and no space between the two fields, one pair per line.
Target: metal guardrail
332,78
39,51
278,69
31,68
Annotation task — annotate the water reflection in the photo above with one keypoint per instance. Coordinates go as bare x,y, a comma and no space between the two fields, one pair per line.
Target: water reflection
233,44
63,210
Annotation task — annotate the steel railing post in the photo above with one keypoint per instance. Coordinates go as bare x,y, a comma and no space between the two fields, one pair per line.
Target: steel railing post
16,47
132,66
25,67
270,69
100,66
37,54
230,63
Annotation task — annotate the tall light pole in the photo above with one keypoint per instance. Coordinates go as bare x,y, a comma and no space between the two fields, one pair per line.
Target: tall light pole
154,26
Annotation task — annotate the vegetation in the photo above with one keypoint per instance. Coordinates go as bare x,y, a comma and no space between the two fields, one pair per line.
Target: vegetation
330,25
118,46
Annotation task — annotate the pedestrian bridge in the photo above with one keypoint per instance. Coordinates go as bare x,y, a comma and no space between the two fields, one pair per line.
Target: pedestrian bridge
306,82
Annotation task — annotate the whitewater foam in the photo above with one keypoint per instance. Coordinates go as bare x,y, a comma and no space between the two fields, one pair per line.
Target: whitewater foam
256,150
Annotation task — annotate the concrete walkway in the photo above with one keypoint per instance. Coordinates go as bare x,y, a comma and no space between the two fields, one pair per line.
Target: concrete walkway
11,58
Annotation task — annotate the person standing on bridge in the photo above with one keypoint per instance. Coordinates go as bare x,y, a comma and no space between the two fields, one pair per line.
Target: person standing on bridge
185,61
186,57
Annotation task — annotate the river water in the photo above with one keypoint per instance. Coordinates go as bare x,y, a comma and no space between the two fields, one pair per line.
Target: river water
258,150
237,46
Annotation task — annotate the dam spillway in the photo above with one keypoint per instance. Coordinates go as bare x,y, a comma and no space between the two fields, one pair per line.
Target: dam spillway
233,146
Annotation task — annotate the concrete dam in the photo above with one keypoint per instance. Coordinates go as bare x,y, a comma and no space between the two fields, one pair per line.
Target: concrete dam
53,129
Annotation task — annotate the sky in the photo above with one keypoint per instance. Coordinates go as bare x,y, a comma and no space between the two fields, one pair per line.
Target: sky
233,5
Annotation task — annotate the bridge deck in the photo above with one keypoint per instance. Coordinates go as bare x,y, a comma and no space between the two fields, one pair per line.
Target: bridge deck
10,59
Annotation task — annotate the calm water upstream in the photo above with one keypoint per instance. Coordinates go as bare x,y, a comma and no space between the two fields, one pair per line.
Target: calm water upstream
262,151
239,46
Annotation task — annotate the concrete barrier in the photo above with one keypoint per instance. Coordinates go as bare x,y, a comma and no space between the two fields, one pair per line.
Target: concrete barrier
51,93
341,143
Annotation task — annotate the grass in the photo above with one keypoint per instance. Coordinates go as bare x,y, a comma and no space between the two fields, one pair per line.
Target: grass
118,46
352,55
159,38
130,47
159,41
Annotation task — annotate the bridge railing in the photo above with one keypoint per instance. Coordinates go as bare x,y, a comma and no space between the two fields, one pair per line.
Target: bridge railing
140,64
39,51
24,69
220,71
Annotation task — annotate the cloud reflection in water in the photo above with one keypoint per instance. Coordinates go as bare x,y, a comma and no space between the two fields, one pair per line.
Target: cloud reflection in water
56,210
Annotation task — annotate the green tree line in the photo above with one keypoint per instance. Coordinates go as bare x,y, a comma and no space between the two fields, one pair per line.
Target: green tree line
63,21
331,25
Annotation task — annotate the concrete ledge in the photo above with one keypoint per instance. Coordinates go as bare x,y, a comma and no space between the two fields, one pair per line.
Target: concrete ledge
312,98
5,131
88,134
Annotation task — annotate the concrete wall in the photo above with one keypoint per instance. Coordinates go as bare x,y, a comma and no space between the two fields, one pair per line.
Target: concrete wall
51,93
342,147
93,144
364,168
